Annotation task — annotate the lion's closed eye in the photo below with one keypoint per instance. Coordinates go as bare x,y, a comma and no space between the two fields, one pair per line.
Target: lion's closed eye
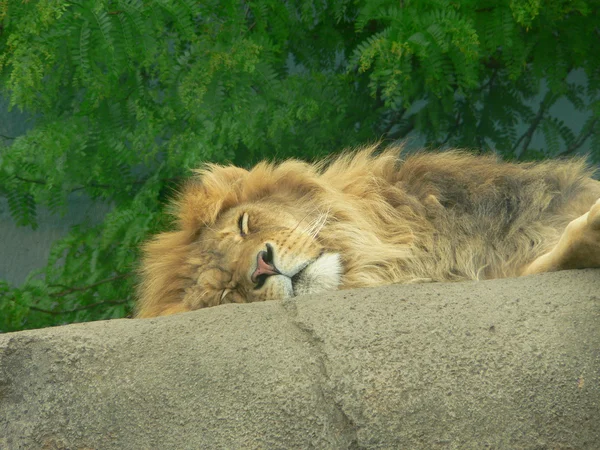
243,224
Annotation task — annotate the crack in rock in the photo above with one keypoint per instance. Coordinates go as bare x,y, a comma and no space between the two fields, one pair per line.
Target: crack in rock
325,386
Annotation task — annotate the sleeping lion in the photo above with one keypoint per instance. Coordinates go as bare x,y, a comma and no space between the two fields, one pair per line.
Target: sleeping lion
367,219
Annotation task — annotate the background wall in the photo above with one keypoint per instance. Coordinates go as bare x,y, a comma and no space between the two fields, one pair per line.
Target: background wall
23,249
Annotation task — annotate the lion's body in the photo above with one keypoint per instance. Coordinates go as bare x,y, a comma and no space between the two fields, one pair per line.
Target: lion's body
361,220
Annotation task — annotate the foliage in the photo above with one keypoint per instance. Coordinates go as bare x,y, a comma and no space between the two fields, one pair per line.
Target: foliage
129,95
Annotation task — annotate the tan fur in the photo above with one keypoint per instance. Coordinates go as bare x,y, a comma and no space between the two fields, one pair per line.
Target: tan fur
432,217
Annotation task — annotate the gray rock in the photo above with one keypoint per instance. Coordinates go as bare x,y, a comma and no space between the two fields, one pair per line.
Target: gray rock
500,364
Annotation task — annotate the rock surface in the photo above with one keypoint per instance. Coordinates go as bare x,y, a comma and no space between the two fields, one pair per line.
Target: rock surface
499,364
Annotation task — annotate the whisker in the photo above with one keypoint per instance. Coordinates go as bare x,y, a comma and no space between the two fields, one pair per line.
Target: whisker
302,220
320,223
209,228
313,225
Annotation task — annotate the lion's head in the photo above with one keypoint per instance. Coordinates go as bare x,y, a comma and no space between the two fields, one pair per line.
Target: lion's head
277,231
260,250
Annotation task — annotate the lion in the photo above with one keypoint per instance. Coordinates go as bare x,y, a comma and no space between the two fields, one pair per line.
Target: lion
367,218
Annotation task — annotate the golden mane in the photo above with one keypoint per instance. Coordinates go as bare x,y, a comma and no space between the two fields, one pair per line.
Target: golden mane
432,216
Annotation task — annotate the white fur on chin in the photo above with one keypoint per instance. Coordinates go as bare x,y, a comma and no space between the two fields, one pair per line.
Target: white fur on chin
324,274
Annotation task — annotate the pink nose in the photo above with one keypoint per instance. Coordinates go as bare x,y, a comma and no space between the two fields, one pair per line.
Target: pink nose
264,267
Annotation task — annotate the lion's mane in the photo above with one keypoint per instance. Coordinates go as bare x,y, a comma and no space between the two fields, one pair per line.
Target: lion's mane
430,216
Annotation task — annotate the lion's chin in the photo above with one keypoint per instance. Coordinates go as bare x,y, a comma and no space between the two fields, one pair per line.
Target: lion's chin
323,274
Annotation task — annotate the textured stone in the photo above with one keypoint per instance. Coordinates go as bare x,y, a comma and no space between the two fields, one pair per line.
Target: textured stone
500,364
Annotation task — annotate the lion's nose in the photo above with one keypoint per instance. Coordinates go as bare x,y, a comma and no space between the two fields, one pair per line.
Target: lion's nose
264,266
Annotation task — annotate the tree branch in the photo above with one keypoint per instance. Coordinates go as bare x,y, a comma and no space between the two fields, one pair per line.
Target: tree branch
78,289
80,308
28,180
545,104
90,286
450,132
401,133
580,140
75,189
489,83
79,188
64,286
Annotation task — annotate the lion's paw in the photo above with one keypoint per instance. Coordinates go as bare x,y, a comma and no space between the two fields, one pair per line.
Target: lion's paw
577,248
593,219
583,238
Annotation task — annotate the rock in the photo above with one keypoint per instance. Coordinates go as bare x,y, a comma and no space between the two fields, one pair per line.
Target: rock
502,364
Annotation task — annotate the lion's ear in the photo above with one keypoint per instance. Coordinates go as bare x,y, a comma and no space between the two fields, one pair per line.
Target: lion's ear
214,189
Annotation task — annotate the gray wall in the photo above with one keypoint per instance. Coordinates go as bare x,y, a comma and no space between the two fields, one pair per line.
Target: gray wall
21,248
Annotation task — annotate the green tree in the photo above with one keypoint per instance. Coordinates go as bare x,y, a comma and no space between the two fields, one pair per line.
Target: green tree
129,95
